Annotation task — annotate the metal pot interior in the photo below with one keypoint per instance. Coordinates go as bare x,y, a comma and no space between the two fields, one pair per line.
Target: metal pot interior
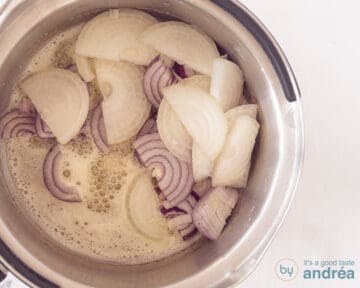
273,177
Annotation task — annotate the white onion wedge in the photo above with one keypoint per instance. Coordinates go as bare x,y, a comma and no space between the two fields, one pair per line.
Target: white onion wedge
234,113
173,133
200,115
171,130
125,107
227,81
233,164
62,100
143,208
202,164
200,81
183,43
113,35
84,67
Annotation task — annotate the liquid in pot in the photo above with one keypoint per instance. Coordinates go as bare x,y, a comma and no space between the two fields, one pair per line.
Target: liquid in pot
103,226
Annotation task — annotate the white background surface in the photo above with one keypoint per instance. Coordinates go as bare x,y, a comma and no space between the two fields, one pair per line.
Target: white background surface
321,39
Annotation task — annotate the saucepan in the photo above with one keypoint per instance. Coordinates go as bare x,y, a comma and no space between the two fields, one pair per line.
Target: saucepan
26,256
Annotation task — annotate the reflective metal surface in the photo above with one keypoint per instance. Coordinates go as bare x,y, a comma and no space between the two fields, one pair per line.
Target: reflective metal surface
26,25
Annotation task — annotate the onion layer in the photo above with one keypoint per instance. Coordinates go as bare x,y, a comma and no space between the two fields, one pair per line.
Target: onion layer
157,76
52,180
142,206
249,110
16,123
149,127
183,71
113,35
125,107
200,188
174,176
62,100
42,130
97,129
233,164
202,164
227,81
200,81
180,216
183,43
213,209
173,132
84,68
200,115
25,106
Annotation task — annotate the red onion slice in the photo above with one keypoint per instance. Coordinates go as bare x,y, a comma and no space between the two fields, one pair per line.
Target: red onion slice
25,106
73,68
179,222
174,176
149,127
171,212
183,71
157,76
188,232
192,199
52,178
42,130
186,228
23,129
213,209
97,129
12,122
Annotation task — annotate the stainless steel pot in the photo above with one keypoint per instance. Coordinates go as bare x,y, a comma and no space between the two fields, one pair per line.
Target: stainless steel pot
26,24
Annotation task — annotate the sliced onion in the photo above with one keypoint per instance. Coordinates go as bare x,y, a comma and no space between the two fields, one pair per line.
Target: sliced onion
213,209
234,113
25,106
192,199
183,71
157,76
174,176
62,100
84,68
202,164
142,204
73,68
183,43
178,216
179,222
233,164
172,212
149,127
97,129
125,107
227,81
200,81
16,123
173,132
200,188
113,35
52,179
42,130
188,232
200,115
